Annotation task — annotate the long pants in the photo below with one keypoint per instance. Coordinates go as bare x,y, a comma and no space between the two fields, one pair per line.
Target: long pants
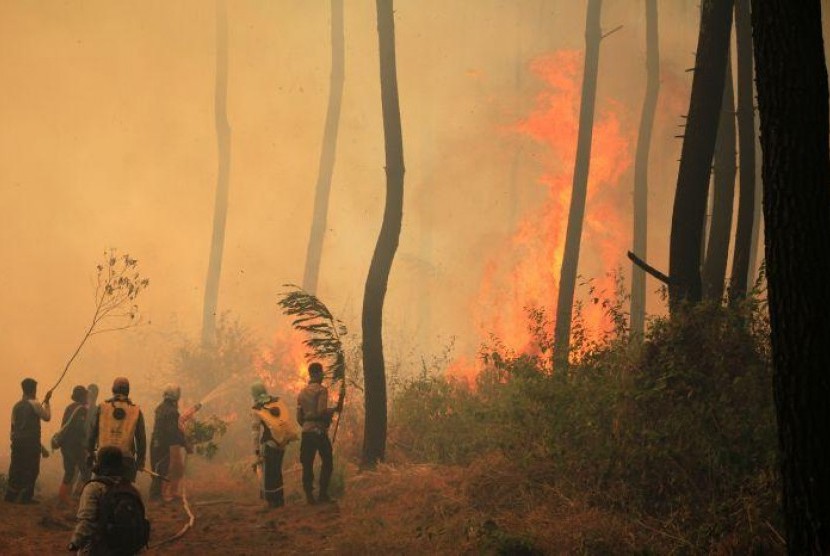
173,488
272,486
23,471
159,463
73,463
310,444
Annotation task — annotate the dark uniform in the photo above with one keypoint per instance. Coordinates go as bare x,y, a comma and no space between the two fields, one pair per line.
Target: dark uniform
314,416
73,449
270,452
26,448
166,434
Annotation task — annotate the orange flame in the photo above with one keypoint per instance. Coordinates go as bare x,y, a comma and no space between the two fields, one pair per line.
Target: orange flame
282,365
525,272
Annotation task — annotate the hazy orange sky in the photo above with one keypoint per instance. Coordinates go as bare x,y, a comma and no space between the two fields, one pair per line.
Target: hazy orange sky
108,141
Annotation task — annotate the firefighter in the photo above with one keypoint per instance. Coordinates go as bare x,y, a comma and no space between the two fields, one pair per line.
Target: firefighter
119,422
167,446
315,416
272,431
26,447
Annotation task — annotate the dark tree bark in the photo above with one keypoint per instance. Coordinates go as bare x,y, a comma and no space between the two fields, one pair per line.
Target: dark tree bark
374,435
723,200
328,152
223,143
576,214
638,277
740,277
793,106
689,212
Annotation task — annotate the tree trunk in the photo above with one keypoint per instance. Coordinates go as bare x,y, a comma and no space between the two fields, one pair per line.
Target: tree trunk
374,436
576,214
638,277
220,210
689,212
793,106
723,185
328,152
739,280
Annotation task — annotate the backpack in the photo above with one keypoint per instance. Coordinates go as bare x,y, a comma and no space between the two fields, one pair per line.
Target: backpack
122,525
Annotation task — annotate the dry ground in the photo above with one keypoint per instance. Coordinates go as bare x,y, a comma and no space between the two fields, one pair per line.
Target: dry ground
405,509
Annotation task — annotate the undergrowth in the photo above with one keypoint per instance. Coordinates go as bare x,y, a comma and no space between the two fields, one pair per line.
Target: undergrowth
676,432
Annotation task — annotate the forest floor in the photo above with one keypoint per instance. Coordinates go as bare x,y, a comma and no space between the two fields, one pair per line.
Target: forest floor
403,509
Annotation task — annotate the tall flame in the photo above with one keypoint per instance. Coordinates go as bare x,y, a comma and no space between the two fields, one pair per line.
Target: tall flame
525,271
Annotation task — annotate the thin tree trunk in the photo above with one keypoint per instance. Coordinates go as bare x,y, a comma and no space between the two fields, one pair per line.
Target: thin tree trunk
638,277
576,214
723,185
374,436
689,212
223,142
757,216
793,106
328,151
739,280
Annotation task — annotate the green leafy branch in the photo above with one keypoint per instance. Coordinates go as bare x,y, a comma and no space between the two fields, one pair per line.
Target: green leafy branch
324,331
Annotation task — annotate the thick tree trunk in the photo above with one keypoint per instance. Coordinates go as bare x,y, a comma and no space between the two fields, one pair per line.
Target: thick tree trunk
223,143
689,212
576,214
638,277
328,152
793,106
739,280
723,185
374,436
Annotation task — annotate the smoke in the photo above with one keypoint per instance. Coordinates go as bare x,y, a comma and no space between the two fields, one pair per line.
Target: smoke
108,140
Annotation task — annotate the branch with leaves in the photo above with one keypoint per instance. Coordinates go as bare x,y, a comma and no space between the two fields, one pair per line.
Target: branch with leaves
118,285
324,336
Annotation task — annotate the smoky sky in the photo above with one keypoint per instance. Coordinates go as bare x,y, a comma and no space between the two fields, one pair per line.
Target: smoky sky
108,140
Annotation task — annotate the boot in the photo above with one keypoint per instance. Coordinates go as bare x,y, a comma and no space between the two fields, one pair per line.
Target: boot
309,497
63,495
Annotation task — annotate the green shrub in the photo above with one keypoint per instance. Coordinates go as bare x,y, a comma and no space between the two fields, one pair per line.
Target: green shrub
677,428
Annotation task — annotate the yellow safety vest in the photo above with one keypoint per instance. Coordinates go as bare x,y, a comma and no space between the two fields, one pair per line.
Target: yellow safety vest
115,431
282,426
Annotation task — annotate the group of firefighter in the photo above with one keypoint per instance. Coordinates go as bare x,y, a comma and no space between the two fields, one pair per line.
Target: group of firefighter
104,447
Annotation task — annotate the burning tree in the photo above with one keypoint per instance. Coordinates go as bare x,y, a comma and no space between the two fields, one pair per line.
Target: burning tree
118,285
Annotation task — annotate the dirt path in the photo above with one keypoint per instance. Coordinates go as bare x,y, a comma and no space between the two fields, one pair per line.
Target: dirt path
230,519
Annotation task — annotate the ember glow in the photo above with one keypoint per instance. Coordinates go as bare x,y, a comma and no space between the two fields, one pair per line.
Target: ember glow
282,364
524,272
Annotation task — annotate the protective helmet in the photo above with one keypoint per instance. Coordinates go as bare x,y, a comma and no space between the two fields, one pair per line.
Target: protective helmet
259,393
172,392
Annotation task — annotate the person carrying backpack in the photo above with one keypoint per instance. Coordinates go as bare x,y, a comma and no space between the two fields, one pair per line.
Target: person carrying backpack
119,422
111,518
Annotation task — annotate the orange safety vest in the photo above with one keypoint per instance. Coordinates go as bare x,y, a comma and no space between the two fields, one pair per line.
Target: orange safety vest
117,420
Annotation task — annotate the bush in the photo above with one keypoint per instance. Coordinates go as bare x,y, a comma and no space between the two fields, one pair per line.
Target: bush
679,428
